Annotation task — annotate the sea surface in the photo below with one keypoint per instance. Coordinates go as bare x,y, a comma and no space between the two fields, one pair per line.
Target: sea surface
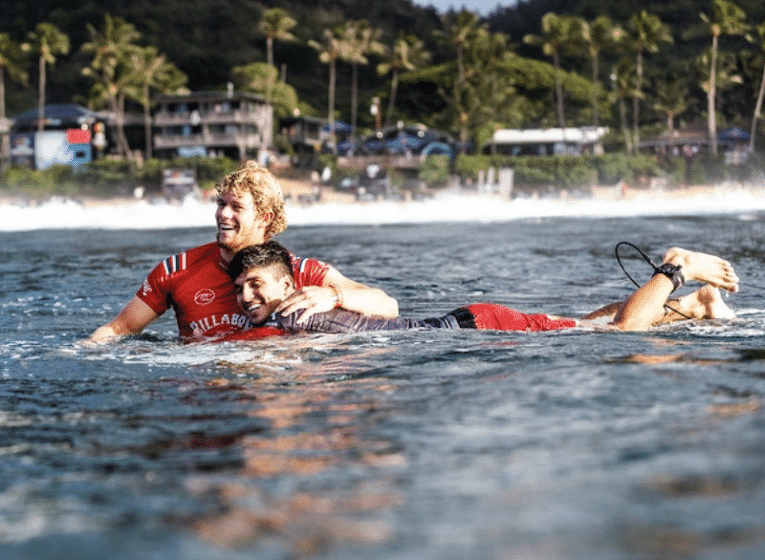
412,445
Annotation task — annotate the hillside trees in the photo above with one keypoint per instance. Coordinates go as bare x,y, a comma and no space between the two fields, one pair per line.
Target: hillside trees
12,65
726,19
122,69
47,42
478,77
150,71
461,33
560,33
330,49
358,41
408,53
597,36
261,78
276,24
646,34
758,39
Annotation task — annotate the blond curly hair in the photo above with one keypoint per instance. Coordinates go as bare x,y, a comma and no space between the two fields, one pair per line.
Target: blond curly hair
266,194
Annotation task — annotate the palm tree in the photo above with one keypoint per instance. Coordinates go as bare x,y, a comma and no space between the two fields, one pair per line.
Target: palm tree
151,70
646,33
726,19
257,77
598,35
359,40
461,30
490,54
672,99
276,24
559,34
13,65
726,75
112,49
759,40
329,51
624,80
47,41
407,54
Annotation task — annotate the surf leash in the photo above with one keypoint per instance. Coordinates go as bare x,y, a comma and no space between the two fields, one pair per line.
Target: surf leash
669,270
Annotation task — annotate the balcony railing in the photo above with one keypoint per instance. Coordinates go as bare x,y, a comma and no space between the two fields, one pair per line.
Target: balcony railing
239,116
207,139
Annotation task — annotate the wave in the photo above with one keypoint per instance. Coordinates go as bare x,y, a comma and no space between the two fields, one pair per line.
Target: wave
158,214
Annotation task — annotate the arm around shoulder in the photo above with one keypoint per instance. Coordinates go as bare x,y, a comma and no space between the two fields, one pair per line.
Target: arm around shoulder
360,298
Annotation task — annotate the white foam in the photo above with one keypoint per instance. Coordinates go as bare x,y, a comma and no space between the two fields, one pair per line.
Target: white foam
68,214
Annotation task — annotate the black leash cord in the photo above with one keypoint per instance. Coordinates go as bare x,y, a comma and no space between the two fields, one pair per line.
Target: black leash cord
642,254
649,261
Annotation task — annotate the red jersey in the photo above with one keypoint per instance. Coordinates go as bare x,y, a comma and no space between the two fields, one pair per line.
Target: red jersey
196,285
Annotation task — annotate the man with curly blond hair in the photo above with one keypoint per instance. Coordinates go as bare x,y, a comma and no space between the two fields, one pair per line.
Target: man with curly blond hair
195,284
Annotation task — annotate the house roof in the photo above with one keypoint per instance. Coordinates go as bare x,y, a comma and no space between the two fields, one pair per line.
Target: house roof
62,114
584,135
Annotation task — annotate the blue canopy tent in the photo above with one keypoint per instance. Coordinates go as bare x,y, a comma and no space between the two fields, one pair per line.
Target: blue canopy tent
733,135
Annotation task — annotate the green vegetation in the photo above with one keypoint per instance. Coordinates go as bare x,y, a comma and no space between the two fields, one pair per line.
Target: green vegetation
641,68
107,177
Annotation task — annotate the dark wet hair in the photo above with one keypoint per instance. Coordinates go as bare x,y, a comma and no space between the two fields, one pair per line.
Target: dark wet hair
259,256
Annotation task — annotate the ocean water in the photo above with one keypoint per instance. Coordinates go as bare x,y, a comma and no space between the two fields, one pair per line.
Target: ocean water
400,445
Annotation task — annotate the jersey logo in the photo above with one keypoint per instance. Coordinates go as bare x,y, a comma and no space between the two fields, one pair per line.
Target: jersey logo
175,263
204,296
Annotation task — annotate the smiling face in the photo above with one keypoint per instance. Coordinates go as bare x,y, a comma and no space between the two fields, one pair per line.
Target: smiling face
260,290
239,221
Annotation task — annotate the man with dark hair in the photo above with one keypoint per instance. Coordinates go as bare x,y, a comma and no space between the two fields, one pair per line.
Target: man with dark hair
263,280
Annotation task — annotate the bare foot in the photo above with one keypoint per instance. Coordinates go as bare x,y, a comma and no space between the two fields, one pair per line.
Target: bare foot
704,303
711,298
704,267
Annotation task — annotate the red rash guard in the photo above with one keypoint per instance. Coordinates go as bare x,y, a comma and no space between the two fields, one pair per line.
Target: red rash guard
195,284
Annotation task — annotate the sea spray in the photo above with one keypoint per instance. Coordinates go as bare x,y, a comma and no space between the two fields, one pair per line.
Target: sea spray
60,213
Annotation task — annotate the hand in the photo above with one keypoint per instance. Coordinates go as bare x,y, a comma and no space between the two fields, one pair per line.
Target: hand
312,299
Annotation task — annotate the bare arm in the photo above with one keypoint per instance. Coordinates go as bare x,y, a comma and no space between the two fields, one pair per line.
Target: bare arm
355,297
133,318
645,307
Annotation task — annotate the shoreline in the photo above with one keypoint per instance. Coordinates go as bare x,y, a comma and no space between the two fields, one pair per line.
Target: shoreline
304,193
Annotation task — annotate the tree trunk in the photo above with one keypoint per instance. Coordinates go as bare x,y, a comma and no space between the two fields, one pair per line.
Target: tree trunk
711,118
393,93
331,116
595,72
623,118
636,104
270,56
147,122
41,98
2,92
757,109
354,100
122,143
559,98
4,135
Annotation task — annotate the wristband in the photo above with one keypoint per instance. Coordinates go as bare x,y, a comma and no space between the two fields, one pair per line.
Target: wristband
671,271
338,296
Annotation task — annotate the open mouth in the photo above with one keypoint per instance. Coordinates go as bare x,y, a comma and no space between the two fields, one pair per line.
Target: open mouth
253,307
